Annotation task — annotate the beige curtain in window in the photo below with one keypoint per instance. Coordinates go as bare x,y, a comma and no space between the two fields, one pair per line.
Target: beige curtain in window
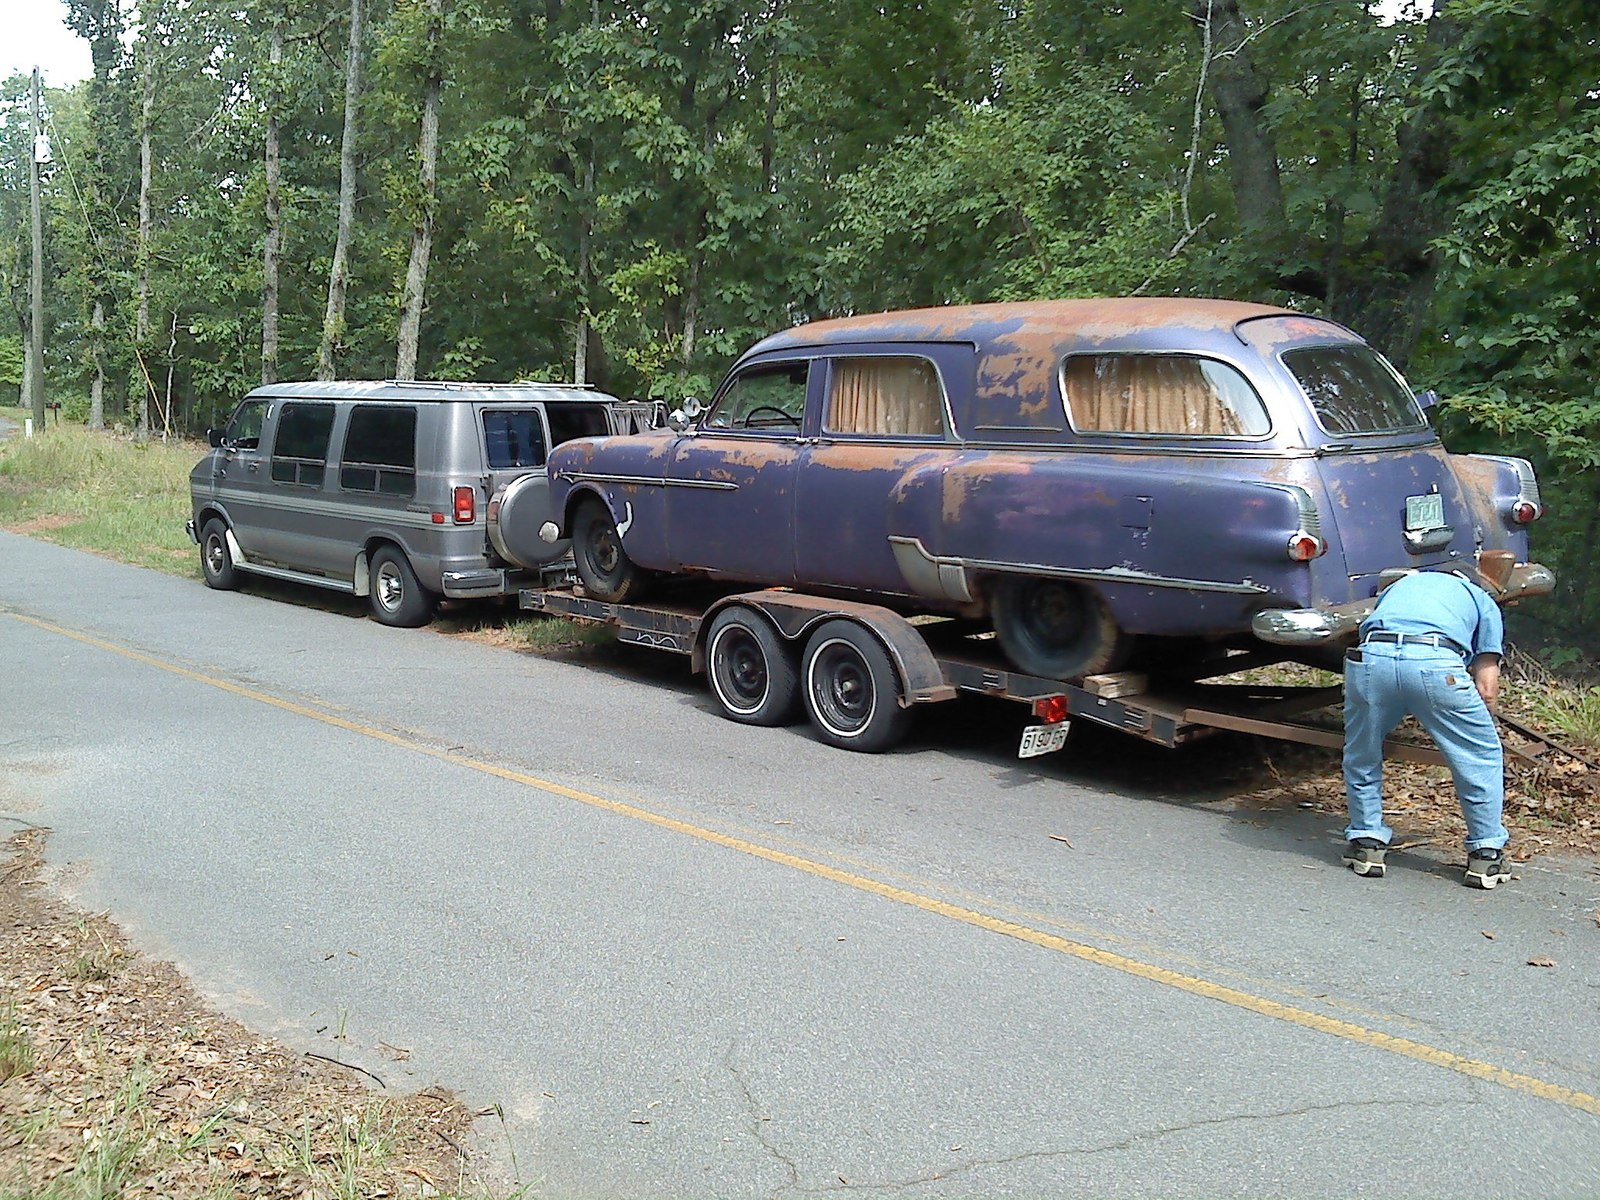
885,396
1130,393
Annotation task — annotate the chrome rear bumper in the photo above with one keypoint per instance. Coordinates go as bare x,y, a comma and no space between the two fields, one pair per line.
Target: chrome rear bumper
1318,626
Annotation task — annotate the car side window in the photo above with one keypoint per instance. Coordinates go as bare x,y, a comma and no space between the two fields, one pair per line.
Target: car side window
885,397
244,430
1176,394
769,399
300,448
380,450
514,437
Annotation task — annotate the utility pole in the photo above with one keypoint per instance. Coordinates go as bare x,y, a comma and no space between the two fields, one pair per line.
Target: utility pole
36,342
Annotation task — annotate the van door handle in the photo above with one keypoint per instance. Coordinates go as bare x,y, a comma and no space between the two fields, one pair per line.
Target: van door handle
252,467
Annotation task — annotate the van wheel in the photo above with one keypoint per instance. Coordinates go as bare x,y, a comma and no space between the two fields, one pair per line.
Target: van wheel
1056,630
396,598
216,560
852,690
754,673
603,565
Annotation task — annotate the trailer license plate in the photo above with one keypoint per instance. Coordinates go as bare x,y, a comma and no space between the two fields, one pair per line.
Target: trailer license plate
1043,739
1425,512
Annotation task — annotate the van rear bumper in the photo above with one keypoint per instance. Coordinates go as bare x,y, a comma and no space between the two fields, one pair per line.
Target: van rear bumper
484,581
1335,622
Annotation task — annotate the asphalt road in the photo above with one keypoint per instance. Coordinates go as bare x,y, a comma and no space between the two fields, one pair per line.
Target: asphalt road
689,958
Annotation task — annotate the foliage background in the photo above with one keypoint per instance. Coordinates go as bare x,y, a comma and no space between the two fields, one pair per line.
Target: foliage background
671,179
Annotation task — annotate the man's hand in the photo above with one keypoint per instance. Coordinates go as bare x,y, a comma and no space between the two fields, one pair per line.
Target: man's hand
1485,672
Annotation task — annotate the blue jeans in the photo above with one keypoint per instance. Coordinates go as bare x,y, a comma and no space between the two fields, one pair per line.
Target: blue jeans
1432,684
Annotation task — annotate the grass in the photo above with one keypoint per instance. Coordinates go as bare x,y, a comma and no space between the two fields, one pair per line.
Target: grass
102,493
16,1047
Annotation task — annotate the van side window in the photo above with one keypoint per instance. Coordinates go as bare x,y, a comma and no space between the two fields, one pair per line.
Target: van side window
300,449
513,437
568,421
380,451
1160,393
885,397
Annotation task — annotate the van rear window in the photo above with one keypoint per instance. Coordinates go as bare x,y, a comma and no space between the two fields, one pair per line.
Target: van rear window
380,451
513,437
1353,391
568,421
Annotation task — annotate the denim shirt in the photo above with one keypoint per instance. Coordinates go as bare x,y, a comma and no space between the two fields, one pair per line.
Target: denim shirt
1443,603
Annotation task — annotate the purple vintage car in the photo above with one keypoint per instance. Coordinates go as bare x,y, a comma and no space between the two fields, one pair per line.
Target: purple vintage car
1088,476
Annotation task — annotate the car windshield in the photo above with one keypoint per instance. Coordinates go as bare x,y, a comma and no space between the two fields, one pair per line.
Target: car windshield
1353,391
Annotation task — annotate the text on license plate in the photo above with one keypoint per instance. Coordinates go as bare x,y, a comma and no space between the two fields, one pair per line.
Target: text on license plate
1042,739
1425,512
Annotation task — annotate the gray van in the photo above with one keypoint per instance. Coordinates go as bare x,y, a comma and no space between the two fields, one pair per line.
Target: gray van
400,492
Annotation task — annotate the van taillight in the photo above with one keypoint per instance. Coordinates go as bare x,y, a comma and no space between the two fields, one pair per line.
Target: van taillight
466,505
1303,547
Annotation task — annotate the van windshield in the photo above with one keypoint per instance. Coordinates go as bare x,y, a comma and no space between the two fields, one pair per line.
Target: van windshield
1353,391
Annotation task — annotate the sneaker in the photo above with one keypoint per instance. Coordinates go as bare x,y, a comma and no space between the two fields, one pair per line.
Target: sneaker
1486,868
1364,856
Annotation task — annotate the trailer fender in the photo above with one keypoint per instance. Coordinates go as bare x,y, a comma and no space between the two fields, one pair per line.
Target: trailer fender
795,614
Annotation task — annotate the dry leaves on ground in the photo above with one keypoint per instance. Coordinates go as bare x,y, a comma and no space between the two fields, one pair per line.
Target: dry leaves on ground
115,1077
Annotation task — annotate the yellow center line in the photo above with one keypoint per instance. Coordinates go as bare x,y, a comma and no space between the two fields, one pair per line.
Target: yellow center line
1192,984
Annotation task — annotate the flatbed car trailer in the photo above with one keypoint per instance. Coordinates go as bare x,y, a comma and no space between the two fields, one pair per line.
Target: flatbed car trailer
858,670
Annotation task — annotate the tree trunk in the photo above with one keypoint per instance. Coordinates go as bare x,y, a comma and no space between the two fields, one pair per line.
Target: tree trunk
338,274
141,316
580,351
97,383
1241,95
274,241
416,286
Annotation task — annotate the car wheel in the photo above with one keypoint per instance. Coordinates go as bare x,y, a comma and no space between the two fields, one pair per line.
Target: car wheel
216,560
396,598
1056,630
754,673
852,690
603,565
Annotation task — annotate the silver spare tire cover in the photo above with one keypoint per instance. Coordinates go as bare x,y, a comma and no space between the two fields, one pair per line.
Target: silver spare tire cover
515,514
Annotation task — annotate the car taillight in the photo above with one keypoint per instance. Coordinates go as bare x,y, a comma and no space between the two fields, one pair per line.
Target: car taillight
1052,710
1303,547
1525,512
466,505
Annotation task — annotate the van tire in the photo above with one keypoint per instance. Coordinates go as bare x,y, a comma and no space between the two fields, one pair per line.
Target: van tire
216,560
1056,630
396,598
754,673
604,566
851,689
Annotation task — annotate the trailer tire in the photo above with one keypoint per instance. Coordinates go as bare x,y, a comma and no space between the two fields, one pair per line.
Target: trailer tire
852,690
1056,630
604,566
754,673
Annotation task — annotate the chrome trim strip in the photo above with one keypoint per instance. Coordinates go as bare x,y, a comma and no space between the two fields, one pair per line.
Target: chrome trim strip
1126,575
714,485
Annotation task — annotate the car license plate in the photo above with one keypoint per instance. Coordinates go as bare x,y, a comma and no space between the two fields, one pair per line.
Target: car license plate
1043,739
1425,512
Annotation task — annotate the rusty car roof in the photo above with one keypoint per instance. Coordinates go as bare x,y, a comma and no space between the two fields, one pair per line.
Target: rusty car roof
1051,322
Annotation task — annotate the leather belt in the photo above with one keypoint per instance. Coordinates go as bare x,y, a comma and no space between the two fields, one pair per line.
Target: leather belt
1437,640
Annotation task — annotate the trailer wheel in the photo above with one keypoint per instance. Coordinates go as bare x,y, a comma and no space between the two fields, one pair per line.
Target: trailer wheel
604,566
1056,630
754,673
852,690
216,560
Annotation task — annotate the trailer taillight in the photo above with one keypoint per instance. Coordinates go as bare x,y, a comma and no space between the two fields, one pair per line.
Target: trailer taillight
466,505
1052,710
1303,547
